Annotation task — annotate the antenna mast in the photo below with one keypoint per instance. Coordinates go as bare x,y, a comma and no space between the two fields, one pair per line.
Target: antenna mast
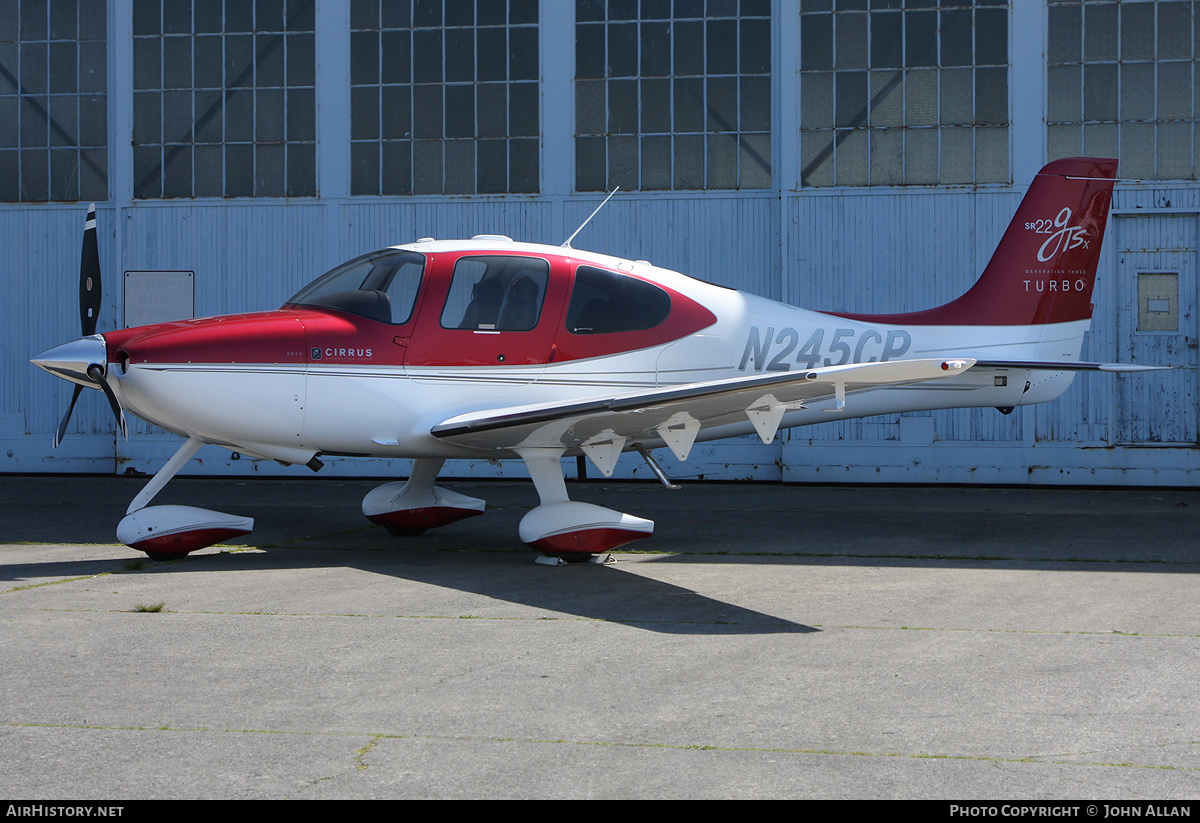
567,243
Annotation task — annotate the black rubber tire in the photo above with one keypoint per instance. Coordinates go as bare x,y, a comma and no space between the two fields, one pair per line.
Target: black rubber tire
573,557
400,531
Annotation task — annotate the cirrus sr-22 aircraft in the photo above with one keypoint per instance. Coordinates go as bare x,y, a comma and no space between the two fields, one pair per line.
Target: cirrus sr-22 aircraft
490,348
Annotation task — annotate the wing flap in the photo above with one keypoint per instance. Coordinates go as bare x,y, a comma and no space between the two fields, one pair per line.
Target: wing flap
675,414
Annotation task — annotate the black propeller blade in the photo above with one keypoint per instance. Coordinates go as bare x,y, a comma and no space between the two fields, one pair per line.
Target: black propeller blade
62,427
89,276
97,374
90,296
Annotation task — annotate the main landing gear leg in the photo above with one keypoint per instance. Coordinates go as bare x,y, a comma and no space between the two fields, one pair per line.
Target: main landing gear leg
566,531
408,508
166,532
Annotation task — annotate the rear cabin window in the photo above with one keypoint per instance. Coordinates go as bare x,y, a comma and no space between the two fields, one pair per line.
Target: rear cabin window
382,285
496,293
604,302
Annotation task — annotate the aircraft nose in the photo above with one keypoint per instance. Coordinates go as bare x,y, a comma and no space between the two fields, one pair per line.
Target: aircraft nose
71,361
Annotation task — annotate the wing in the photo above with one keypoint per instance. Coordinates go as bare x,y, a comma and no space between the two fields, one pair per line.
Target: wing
602,426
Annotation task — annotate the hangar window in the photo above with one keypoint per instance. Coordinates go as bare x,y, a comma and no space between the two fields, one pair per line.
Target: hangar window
496,293
604,302
903,93
672,95
382,285
224,99
53,101
1158,301
444,97
1121,82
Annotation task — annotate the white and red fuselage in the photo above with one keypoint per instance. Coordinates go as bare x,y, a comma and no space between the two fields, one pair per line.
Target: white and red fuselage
303,380
375,355
299,381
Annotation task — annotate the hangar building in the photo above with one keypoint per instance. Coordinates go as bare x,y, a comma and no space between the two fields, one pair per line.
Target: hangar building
853,155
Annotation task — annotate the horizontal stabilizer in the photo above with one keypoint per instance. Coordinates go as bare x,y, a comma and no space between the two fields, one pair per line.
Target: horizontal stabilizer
1066,365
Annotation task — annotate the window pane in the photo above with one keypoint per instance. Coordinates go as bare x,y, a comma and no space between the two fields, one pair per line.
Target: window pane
851,41
1175,151
852,163
816,42
1137,31
816,100
604,302
816,158
1137,92
496,294
1137,150
958,153
887,157
991,156
1100,31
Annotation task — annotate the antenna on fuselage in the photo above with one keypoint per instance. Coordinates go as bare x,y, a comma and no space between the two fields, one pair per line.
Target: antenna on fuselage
567,243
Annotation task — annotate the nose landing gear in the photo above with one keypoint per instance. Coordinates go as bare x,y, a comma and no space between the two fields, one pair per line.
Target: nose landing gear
168,532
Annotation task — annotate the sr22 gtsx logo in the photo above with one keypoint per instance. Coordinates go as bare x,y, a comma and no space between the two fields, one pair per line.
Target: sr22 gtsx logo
1062,237
777,351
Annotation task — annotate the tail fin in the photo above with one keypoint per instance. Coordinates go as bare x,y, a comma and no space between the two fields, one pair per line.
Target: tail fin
1044,269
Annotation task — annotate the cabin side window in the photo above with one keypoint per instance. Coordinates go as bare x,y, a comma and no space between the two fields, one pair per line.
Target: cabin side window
604,302
496,293
382,285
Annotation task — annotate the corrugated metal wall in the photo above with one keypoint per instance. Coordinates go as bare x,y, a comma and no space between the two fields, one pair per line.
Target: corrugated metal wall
868,250
877,251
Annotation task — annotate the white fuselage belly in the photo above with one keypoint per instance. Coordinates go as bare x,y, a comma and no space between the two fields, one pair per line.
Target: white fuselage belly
388,411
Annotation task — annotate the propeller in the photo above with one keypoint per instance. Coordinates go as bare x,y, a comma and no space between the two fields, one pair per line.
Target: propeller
97,373
89,276
89,312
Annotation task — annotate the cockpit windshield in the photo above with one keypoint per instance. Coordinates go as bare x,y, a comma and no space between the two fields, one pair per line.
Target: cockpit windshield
381,285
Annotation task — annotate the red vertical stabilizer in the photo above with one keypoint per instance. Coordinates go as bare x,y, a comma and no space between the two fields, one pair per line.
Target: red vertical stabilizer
1045,266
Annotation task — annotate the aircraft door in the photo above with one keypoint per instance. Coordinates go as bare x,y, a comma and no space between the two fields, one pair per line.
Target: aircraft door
488,310
1157,325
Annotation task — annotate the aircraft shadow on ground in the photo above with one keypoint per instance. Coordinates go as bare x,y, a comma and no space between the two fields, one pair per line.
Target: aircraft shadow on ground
589,592
302,526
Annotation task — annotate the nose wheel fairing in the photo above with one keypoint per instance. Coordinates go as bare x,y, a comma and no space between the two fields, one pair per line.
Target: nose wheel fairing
165,532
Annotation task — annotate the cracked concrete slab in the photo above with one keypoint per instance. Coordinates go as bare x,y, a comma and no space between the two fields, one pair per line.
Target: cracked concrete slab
769,641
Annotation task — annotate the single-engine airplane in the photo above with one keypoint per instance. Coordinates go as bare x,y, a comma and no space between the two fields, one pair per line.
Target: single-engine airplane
444,349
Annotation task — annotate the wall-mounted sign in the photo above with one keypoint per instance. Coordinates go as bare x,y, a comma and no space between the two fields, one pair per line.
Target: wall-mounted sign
159,296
